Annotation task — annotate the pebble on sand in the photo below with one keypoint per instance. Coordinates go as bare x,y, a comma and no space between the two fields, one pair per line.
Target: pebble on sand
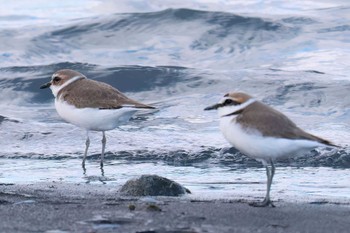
152,185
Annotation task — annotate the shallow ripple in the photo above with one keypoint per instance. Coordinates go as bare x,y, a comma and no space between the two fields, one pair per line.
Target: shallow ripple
208,182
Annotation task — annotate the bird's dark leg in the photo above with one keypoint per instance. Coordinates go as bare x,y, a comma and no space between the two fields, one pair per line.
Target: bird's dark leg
270,172
87,144
104,140
269,183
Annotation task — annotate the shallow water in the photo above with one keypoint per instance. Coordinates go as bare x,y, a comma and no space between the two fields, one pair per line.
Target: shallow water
205,181
180,57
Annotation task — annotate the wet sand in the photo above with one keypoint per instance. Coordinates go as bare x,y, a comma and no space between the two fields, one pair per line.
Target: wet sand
61,207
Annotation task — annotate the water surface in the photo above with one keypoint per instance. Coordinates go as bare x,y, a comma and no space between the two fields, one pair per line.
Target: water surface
179,57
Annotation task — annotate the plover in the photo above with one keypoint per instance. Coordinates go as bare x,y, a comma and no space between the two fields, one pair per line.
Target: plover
262,133
91,105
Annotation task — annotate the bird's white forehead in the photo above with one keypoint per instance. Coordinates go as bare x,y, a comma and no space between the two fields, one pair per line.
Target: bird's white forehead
232,108
57,74
223,99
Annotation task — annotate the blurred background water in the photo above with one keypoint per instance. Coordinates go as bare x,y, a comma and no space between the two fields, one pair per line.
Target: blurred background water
180,56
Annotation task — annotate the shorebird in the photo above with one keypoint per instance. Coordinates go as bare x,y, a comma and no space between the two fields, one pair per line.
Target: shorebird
262,133
91,105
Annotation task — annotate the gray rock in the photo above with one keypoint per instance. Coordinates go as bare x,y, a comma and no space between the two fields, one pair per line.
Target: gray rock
152,185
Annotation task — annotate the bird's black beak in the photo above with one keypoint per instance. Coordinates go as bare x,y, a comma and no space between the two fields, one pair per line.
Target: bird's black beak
46,85
213,107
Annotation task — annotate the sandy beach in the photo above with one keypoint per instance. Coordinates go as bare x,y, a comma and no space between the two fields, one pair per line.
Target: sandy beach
62,207
180,57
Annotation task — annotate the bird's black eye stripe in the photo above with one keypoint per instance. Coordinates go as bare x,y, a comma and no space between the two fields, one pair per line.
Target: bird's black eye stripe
230,102
56,79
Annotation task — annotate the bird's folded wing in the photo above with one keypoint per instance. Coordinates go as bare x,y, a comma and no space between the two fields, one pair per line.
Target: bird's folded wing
97,95
272,123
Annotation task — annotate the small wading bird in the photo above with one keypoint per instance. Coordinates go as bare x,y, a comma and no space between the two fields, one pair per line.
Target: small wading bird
262,133
91,105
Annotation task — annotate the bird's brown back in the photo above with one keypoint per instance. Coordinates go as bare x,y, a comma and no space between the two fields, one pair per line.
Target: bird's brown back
96,95
272,123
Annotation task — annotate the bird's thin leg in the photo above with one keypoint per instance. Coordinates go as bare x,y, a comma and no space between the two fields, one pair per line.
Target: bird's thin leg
103,148
269,183
270,172
87,144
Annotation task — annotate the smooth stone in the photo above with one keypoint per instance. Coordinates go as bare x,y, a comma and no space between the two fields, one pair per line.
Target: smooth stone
152,185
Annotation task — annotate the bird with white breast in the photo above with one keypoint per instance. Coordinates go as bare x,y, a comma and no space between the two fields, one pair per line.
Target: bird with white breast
262,133
91,105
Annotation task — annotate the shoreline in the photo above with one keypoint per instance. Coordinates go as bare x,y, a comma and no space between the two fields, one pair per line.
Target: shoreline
62,207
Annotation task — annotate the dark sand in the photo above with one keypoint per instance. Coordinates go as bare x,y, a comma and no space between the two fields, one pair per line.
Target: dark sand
60,207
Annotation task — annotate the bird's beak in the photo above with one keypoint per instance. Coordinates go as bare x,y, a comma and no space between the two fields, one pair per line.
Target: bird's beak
215,106
46,85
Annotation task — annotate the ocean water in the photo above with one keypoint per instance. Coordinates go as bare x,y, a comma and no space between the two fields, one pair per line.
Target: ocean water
179,56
